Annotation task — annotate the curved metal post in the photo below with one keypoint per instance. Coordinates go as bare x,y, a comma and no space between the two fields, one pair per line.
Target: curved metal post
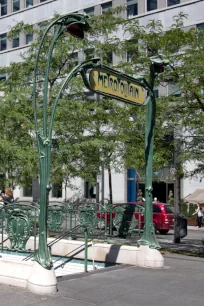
44,136
148,237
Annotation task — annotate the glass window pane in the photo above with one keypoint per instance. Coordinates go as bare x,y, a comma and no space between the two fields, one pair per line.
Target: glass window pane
16,5
3,7
89,11
57,191
200,26
108,57
106,6
29,38
151,5
43,26
2,78
3,42
89,53
16,42
132,10
27,192
173,2
74,57
29,3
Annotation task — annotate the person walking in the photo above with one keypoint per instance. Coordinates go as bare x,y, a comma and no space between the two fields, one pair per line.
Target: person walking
7,197
199,218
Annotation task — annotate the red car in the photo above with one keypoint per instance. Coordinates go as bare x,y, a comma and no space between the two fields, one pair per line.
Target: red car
163,215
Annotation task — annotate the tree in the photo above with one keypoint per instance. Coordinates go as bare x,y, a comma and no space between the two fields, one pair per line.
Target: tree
89,134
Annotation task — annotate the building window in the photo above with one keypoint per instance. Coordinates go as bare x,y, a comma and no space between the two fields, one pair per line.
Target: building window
43,26
41,1
172,2
29,38
3,42
108,57
132,9
174,90
106,6
89,191
16,42
151,5
74,58
3,5
16,5
2,77
89,53
132,52
57,190
156,93
89,11
29,3
27,191
200,26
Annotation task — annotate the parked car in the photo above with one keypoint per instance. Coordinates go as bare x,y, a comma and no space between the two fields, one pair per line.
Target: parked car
163,215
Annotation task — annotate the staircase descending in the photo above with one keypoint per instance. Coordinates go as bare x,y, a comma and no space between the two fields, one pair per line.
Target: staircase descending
66,268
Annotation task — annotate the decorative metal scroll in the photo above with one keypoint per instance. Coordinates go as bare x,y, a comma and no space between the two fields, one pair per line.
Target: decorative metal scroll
87,218
18,229
56,217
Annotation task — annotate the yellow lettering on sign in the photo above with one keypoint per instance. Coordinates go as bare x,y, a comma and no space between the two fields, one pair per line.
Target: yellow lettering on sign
116,85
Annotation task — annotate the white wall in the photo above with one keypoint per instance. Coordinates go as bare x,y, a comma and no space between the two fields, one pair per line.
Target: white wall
43,12
119,187
189,185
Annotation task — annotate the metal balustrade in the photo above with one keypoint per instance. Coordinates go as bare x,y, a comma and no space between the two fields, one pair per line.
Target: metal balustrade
19,222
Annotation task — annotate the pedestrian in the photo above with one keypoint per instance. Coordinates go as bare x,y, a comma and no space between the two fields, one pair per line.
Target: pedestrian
7,197
199,217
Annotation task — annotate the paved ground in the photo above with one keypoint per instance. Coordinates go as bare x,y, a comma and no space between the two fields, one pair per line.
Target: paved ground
179,283
193,243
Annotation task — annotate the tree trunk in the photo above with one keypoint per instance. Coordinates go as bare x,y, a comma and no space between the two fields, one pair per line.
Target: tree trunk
110,185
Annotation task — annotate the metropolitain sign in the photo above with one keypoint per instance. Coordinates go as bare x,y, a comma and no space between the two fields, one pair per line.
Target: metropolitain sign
116,85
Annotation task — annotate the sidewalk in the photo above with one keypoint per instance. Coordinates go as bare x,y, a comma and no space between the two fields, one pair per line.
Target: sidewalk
195,228
179,283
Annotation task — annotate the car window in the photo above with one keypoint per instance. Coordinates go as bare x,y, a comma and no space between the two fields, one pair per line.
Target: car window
169,209
156,209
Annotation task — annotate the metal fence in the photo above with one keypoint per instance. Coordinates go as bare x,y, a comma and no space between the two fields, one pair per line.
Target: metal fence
19,222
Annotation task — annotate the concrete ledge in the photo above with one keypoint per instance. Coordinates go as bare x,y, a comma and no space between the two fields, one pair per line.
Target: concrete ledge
42,281
27,274
139,256
15,273
150,258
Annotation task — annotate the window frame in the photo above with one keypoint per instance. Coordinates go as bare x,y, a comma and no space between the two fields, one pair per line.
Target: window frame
27,5
103,6
2,8
26,36
3,39
16,38
16,1
148,5
57,188
92,10
131,3
168,5
27,191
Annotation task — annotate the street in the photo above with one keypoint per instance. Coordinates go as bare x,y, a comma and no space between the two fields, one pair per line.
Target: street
194,233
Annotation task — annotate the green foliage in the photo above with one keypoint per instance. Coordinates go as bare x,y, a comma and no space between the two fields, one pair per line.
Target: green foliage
89,134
